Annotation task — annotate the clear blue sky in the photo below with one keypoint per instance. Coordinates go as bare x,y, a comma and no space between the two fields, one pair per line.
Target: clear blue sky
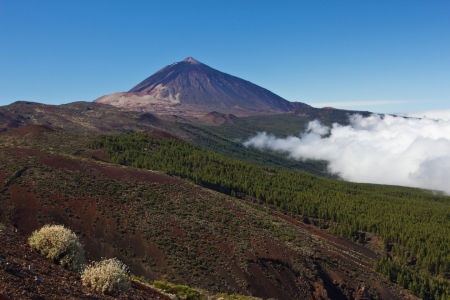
345,54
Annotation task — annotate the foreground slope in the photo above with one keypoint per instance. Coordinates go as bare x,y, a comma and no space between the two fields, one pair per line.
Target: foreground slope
45,280
190,88
164,227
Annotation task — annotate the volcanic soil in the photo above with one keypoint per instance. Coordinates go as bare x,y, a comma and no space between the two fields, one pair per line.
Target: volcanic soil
25,274
165,228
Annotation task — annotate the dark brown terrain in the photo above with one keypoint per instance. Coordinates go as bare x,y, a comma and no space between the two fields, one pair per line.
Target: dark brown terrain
190,88
215,118
164,227
78,118
25,274
85,118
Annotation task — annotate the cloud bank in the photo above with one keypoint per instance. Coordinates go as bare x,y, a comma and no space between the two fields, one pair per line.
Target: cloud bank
443,114
359,103
384,150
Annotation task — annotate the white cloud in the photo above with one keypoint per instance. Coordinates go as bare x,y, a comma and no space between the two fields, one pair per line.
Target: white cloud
385,150
443,114
359,103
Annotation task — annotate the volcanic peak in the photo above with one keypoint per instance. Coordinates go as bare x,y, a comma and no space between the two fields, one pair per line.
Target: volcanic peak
192,60
191,88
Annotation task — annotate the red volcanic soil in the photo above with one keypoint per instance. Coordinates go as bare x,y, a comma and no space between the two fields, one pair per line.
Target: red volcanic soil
24,130
115,173
103,235
61,162
46,280
158,134
24,151
330,237
110,172
215,118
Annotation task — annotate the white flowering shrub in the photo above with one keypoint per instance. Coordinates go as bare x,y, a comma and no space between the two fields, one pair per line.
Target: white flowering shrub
107,276
59,244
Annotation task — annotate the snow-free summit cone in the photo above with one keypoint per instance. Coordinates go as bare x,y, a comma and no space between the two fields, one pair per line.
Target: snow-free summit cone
190,88
191,60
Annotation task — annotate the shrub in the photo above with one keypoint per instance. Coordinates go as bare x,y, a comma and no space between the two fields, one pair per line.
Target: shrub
2,227
236,297
59,244
107,276
183,291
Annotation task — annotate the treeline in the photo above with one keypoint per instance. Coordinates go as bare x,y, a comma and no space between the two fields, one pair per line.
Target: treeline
411,222
212,141
423,286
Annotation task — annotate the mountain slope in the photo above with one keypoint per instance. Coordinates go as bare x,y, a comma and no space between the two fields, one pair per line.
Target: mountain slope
164,227
86,118
282,125
45,280
191,88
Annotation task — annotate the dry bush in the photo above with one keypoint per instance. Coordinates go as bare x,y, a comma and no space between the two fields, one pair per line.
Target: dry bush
107,276
59,244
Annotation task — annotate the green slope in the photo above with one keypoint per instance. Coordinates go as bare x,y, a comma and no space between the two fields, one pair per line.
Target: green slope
414,224
283,125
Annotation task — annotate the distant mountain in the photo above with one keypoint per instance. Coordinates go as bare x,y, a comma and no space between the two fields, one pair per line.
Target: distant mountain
190,88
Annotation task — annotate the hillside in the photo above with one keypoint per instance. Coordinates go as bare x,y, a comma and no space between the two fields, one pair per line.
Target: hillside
45,280
190,88
164,227
79,118
282,125
84,118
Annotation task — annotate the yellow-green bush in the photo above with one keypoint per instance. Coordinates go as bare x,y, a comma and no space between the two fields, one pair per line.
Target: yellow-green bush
59,244
180,290
2,227
107,276
236,297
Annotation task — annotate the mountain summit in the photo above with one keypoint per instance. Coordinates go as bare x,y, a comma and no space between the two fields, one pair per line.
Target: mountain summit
191,60
191,88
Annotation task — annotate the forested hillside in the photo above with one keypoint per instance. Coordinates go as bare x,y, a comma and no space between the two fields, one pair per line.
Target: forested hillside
283,124
166,228
414,224
84,118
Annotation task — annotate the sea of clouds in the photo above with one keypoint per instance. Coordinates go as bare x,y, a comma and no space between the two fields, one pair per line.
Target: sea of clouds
412,150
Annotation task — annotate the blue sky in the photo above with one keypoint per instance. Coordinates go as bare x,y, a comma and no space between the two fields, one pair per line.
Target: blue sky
382,56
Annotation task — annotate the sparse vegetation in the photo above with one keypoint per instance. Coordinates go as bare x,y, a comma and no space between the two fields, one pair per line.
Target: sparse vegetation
59,244
347,207
2,227
403,218
107,276
183,291
206,236
235,297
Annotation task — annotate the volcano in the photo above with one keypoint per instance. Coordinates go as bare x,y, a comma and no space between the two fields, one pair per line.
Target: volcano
190,88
